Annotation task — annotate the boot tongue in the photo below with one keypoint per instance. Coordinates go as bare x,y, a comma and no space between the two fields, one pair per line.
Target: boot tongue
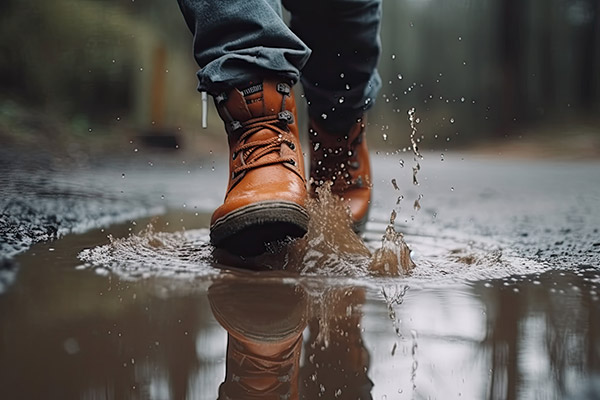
259,100
262,99
256,100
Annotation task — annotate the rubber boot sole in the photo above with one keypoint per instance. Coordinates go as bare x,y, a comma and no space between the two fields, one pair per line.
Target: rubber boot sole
248,230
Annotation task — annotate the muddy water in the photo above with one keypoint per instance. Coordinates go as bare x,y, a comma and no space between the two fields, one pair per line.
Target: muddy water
503,302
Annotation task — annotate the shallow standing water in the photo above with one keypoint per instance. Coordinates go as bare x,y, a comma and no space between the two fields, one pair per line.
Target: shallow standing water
503,303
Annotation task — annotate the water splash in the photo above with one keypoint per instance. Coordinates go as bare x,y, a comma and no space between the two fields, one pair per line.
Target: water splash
393,257
415,148
394,297
417,204
153,254
415,362
330,248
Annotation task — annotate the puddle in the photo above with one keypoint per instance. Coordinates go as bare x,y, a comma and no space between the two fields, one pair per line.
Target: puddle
158,317
329,250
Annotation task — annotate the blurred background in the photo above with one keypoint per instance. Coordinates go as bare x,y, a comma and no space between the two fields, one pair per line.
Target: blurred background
492,75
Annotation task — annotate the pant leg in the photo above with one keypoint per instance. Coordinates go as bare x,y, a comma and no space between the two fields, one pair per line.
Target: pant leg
237,41
340,79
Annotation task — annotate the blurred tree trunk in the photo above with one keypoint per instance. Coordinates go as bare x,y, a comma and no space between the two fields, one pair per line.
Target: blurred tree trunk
589,58
510,27
547,66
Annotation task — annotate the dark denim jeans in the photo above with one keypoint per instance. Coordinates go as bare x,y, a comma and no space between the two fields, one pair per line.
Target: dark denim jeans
335,43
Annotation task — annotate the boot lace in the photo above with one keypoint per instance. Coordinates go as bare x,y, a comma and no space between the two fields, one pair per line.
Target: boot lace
249,367
254,152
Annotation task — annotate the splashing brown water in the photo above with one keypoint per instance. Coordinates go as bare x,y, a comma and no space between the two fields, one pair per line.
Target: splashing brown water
330,247
415,148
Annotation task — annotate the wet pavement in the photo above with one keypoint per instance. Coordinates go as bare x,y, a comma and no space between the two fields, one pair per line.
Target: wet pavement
110,289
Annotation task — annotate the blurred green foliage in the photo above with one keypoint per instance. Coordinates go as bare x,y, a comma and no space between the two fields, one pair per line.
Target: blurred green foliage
472,69
59,54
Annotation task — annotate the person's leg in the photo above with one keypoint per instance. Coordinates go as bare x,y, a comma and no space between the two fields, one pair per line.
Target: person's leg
340,79
341,83
249,59
238,41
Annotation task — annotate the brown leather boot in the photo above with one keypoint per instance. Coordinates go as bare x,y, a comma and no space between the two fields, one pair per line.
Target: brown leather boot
344,161
267,189
264,322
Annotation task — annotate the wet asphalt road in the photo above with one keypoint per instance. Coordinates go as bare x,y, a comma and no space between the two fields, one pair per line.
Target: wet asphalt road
544,210
503,304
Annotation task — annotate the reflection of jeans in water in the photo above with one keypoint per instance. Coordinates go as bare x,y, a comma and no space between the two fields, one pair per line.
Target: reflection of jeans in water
237,41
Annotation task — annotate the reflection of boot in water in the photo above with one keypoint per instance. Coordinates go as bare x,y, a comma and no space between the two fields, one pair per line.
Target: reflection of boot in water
264,321
336,360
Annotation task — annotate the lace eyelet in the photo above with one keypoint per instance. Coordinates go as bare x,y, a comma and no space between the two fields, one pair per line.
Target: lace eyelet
286,117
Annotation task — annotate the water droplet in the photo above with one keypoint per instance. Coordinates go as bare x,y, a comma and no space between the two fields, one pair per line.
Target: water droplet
417,204
399,76
393,217
416,169
341,100
324,116
384,136
393,56
123,176
395,184
451,120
